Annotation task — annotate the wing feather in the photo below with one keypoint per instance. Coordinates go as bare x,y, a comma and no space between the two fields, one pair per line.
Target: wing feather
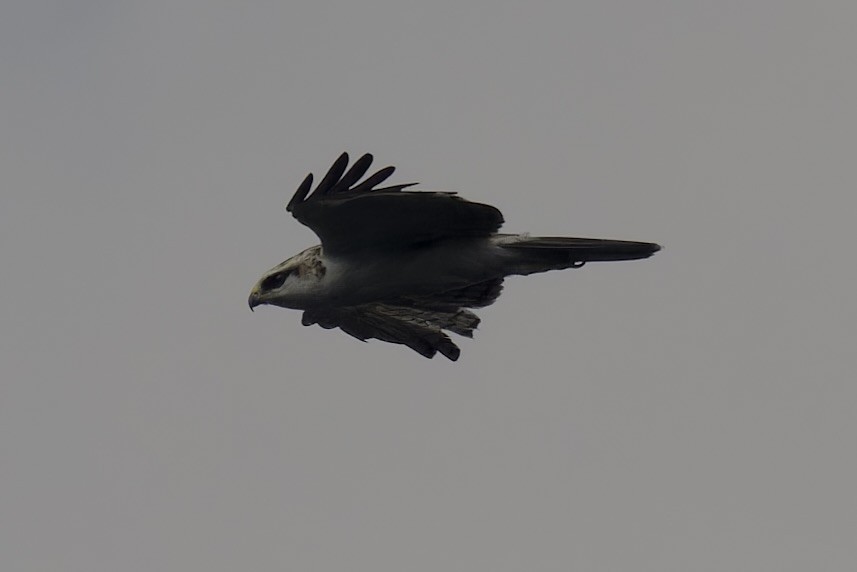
301,193
334,174
353,175
419,330
374,180
350,216
477,295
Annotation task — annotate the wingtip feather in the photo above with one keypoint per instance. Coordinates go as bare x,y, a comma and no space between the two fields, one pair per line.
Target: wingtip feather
337,180
374,179
357,170
334,174
301,193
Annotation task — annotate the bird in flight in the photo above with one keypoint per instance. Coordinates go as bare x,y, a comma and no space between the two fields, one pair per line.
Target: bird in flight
402,266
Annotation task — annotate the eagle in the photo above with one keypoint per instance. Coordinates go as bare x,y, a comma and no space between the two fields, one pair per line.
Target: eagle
405,266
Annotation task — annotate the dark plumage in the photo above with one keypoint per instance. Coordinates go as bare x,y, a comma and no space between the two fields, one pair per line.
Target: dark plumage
339,212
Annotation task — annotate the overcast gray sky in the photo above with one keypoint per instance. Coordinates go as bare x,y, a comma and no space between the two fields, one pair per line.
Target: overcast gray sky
695,411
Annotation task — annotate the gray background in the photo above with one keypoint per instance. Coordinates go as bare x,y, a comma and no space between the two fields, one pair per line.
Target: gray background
691,412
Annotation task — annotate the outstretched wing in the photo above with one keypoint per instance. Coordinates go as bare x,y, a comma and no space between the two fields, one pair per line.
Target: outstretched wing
416,322
349,216
420,330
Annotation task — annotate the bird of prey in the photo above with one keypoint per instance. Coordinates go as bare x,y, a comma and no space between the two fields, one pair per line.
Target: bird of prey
402,266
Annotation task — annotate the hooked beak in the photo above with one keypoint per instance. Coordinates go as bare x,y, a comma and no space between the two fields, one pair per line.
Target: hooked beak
253,300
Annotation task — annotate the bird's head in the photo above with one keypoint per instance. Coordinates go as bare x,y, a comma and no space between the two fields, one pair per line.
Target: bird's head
290,284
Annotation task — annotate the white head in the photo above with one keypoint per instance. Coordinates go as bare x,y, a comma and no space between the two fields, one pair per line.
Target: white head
291,284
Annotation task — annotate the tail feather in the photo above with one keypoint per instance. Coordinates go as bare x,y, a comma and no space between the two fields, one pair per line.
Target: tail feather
540,254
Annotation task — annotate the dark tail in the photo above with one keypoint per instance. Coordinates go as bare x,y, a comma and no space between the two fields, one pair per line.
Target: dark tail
539,254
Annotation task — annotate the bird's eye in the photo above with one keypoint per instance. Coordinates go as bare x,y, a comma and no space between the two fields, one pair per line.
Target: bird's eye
274,281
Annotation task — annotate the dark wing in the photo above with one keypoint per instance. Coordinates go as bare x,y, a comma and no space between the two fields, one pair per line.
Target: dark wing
420,330
417,322
474,296
350,216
